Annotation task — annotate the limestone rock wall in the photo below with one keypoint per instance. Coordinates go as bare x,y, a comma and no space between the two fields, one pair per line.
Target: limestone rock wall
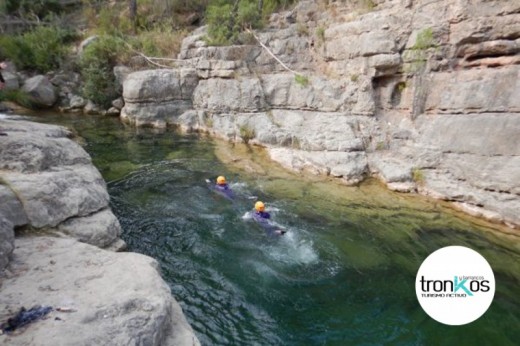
48,184
111,298
422,94
48,181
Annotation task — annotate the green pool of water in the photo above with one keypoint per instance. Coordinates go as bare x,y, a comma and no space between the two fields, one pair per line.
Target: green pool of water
343,274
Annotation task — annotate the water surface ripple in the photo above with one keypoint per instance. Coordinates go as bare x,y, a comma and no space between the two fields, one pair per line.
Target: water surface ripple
342,275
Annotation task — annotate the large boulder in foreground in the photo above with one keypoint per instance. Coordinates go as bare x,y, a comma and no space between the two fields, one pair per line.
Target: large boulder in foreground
113,298
55,183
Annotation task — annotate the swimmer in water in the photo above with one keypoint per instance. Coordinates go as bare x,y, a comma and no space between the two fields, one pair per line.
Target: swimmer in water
263,218
222,187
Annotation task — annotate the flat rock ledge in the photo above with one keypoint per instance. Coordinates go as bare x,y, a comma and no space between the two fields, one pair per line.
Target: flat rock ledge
111,298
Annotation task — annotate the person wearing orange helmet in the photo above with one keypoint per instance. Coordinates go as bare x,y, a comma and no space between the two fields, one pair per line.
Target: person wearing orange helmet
221,182
263,218
222,187
260,211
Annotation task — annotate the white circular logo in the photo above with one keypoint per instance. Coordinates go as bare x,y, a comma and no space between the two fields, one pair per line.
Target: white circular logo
455,285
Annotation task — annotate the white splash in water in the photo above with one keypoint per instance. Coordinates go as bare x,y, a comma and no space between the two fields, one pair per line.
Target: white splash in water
290,249
238,186
247,215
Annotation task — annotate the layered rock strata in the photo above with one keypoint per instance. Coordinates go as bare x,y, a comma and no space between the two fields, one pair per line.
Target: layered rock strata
48,185
422,94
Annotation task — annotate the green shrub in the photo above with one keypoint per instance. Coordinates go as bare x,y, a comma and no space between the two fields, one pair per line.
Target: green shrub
110,23
220,30
246,133
39,8
424,40
166,41
42,49
96,67
248,15
270,6
226,21
17,96
301,80
418,176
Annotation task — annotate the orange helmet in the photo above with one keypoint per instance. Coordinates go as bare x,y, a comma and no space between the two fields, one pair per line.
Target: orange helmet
221,180
259,206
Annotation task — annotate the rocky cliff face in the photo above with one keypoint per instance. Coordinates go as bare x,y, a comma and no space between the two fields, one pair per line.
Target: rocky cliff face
49,185
48,181
422,94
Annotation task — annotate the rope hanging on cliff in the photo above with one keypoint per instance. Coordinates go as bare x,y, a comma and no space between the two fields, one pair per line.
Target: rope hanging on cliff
272,54
148,58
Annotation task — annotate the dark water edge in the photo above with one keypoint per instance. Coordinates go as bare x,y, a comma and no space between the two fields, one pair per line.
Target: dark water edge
343,275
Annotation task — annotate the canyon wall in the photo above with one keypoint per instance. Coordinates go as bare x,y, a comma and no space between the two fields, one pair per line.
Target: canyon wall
421,94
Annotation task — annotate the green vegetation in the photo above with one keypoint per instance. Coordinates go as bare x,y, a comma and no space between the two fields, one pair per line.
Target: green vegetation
43,43
96,64
320,33
228,19
418,53
125,29
369,5
418,176
381,145
38,8
246,133
41,49
17,96
424,40
301,80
